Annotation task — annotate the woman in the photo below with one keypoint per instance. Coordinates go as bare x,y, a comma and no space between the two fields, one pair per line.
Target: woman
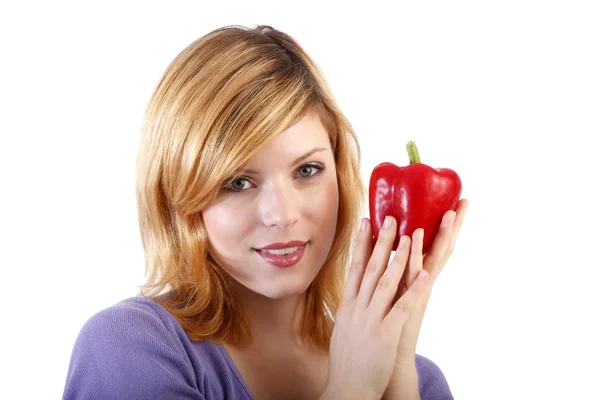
249,197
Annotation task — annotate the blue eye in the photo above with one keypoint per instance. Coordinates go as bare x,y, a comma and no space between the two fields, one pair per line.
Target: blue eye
309,170
241,184
235,185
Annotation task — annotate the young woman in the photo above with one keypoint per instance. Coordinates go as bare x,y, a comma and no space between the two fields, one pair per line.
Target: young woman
261,284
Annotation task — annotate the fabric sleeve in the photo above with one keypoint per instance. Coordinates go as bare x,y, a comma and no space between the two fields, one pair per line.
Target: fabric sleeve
432,382
128,352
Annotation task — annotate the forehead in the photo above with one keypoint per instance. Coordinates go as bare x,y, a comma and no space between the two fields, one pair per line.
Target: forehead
300,138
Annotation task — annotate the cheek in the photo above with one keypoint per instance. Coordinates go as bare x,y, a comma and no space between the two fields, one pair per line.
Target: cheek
325,203
225,225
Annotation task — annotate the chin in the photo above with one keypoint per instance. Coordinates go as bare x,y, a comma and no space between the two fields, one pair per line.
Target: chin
282,291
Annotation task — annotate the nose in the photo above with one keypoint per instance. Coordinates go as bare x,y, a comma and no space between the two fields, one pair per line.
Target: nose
279,205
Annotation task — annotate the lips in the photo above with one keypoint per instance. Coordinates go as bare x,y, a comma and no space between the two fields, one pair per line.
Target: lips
283,255
280,245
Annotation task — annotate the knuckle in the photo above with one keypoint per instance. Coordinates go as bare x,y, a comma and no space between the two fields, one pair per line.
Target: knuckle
400,254
371,268
373,328
354,267
386,234
383,283
401,306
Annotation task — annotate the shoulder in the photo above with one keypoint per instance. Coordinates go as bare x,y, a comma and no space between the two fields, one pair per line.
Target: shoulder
130,316
432,382
138,309
136,350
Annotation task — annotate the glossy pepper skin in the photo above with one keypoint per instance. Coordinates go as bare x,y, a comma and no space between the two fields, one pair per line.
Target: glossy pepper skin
417,195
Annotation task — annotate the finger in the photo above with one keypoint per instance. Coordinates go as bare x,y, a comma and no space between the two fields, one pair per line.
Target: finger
387,286
415,264
460,216
401,310
435,259
378,261
360,257
402,286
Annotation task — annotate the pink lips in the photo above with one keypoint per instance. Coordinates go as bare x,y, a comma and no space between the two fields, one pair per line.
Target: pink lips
286,260
279,245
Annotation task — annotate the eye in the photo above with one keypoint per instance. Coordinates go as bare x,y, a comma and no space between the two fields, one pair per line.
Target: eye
237,185
241,183
309,170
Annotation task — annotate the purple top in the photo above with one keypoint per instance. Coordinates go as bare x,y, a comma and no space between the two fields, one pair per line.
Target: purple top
137,350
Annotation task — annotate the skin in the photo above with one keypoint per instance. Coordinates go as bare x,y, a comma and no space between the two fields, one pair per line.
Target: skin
380,316
278,200
404,380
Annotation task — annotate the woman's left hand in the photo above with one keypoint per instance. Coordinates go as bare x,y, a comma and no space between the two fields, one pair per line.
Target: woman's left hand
434,262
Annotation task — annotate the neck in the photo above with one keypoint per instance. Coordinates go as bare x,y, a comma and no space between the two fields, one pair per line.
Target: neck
273,322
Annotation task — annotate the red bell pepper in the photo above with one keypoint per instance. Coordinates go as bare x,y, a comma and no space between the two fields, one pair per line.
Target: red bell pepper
416,195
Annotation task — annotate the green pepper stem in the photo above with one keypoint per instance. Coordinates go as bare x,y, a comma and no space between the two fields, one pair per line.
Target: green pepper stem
413,153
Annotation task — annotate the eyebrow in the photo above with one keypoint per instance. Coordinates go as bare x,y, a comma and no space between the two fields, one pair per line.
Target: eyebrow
297,160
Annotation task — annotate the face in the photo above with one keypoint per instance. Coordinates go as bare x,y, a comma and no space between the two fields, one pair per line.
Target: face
287,193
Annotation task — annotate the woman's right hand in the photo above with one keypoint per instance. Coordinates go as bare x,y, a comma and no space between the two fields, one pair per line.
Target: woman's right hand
368,326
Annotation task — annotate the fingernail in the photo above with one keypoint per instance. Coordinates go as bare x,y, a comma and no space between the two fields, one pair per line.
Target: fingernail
403,240
422,274
449,220
363,224
388,222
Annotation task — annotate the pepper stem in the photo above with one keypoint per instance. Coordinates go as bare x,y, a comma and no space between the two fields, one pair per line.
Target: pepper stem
413,153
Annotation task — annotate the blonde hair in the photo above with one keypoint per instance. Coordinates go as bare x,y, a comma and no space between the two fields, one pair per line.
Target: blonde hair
220,100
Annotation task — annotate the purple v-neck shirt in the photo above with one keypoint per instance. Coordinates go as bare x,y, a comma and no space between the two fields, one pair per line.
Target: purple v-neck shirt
137,350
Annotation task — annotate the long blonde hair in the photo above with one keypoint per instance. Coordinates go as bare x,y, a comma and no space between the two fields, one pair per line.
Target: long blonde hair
220,100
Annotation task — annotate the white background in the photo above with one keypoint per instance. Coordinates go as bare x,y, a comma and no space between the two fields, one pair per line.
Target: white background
506,93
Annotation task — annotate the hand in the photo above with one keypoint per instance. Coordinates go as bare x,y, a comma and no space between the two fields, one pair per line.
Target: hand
433,262
369,324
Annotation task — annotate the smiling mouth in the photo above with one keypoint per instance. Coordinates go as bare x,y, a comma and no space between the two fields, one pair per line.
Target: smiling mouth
282,258
281,252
